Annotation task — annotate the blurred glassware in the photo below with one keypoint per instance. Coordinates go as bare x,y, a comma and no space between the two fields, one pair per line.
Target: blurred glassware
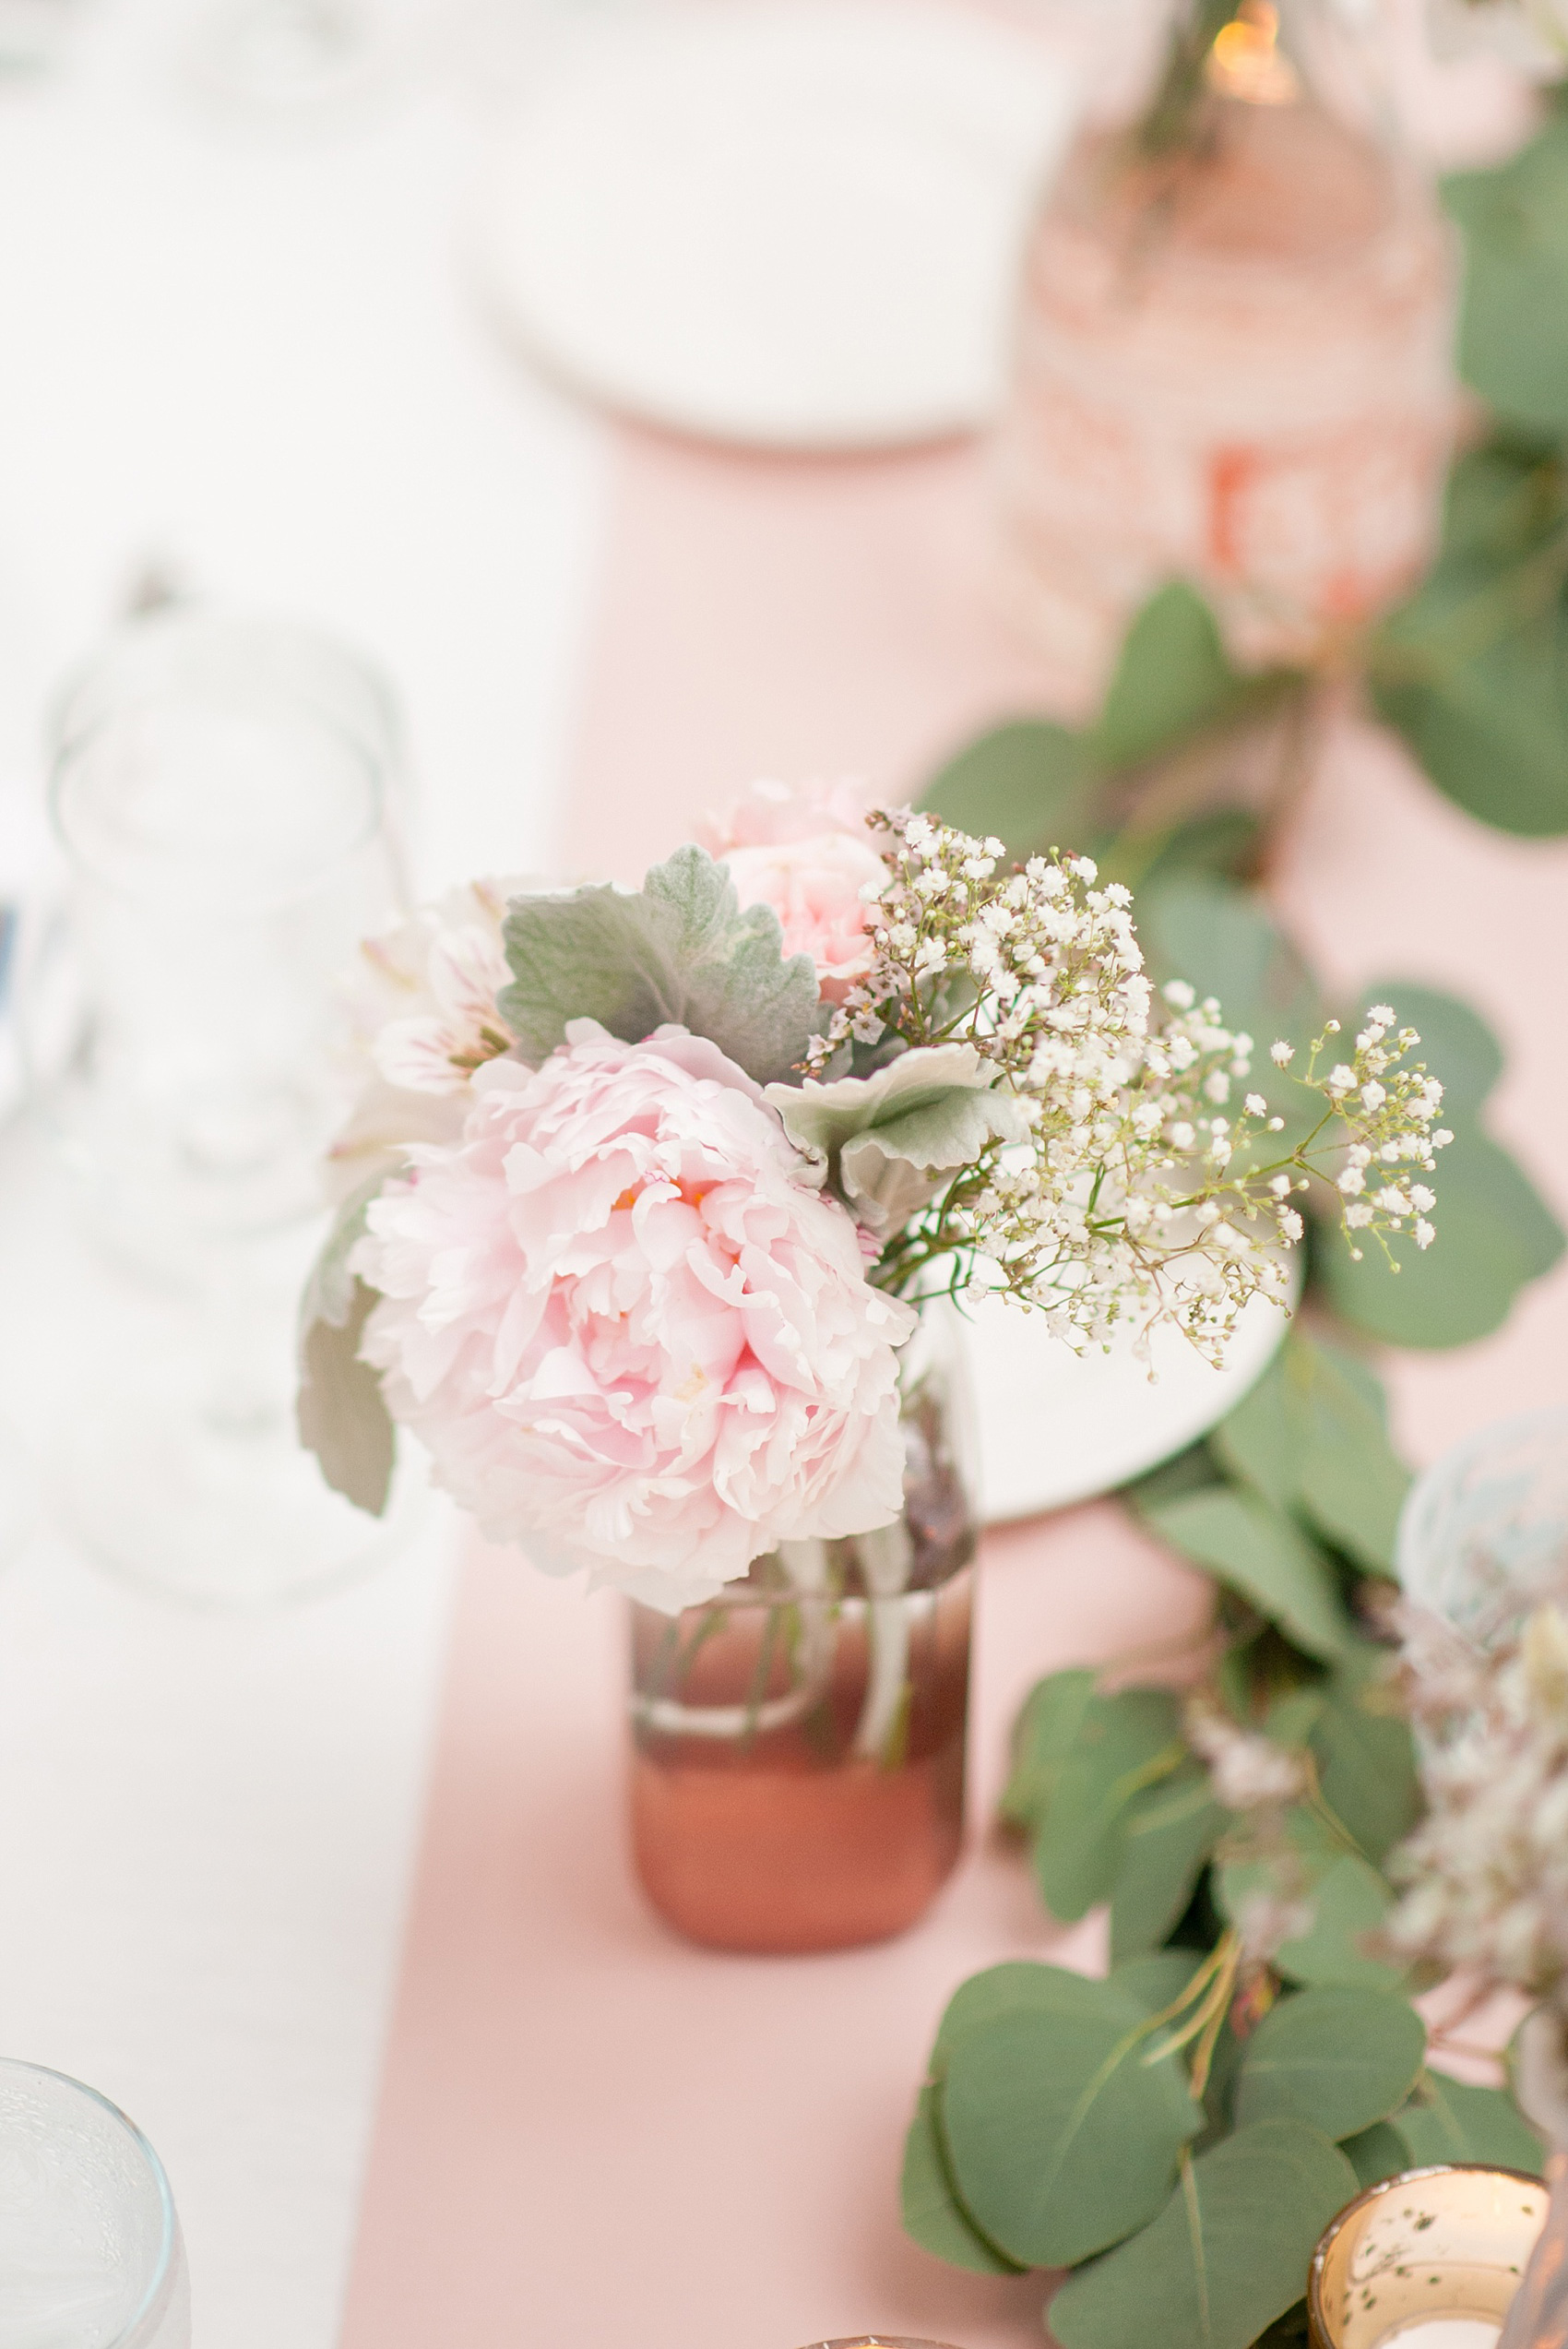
220,788
91,2254
794,224
34,33
17,1505
1232,360
1483,1535
293,59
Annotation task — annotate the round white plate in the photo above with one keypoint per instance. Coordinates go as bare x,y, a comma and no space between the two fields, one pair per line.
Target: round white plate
1056,1427
789,223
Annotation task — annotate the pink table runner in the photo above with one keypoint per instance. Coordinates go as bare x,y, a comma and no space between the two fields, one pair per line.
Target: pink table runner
589,2133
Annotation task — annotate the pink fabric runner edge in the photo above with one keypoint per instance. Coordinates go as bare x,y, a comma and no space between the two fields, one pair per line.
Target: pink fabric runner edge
589,2132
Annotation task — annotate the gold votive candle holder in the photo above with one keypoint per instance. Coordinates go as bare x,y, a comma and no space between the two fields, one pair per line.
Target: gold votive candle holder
1430,2260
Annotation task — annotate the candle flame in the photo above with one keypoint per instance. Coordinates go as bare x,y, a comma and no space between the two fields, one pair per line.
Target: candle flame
1246,61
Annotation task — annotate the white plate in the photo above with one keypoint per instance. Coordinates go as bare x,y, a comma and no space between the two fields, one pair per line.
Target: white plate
794,223
1056,1427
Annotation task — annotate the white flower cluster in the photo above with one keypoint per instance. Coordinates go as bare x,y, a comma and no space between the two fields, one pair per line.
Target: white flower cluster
1146,1188
1248,1773
1488,1866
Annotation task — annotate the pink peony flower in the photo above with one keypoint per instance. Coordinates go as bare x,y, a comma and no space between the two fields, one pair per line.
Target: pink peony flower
632,1335
807,855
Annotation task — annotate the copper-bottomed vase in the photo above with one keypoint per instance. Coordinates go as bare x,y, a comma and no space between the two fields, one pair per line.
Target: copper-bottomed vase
1231,363
798,1742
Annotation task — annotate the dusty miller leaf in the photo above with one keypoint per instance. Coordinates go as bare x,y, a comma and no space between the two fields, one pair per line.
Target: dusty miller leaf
341,1416
678,950
340,1411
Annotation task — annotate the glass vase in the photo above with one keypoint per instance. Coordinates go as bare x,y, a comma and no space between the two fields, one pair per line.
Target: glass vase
798,1741
1232,355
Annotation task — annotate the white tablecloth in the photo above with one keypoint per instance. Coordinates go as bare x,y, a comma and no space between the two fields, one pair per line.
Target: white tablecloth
245,355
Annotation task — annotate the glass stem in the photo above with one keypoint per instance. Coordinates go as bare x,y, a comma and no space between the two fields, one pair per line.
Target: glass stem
886,1557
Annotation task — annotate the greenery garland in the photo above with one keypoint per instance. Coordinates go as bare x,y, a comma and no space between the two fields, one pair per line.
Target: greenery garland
1177,2135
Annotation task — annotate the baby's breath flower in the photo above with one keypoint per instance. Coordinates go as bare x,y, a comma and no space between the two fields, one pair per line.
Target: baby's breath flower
1130,1200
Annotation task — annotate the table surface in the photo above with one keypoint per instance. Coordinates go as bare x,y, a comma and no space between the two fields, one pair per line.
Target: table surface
336,1902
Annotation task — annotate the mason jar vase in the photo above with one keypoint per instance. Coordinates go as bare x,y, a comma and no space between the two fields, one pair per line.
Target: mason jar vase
798,1741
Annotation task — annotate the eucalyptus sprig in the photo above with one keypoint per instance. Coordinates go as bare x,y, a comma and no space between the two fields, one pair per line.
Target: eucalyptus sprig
1179,2134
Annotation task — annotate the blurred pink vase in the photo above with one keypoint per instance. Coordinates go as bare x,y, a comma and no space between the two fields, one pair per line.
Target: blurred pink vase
1233,366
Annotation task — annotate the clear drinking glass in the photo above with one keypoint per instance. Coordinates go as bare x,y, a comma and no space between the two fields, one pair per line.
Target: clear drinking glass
799,1740
1483,1536
90,2255
221,790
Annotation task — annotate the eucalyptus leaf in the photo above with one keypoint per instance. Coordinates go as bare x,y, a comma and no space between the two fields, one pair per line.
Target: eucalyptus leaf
1350,1483
679,949
1375,2153
1124,1743
1350,1902
1172,677
1311,1439
1168,1831
1366,1763
1450,2120
1157,1980
1022,1986
1347,1900
1237,1536
1218,937
933,2213
1044,1734
1494,1234
1227,2254
1456,1044
1338,2059
1514,318
1023,782
1473,669
1062,2139
1495,1231
1259,1443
